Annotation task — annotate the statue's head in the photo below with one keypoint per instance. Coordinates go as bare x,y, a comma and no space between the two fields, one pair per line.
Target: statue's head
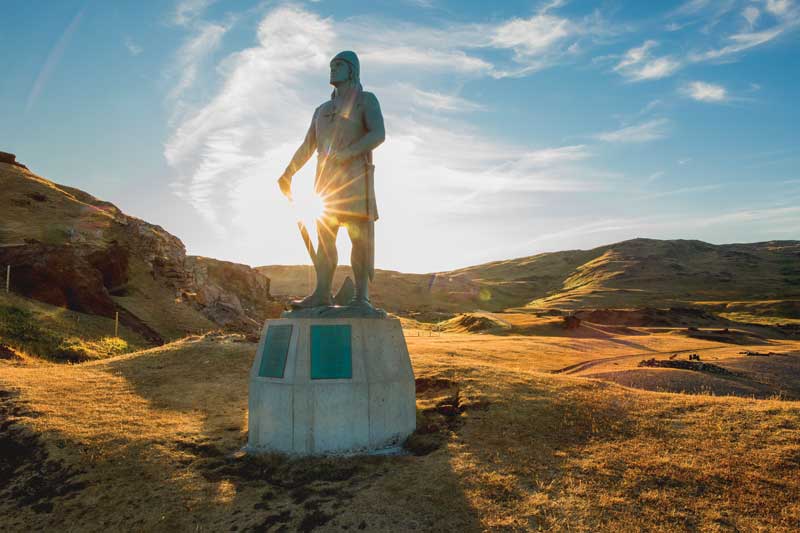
345,69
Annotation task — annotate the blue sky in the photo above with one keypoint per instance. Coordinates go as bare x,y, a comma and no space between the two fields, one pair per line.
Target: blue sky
512,129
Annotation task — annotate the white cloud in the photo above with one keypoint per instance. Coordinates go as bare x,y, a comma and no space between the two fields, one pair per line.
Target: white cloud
534,43
785,15
193,52
647,131
778,7
133,48
682,190
533,36
660,67
751,14
638,65
187,11
739,42
636,55
690,7
705,92
430,59
442,102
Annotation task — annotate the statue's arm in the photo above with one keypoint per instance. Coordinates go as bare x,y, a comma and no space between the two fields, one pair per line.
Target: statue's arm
373,122
304,152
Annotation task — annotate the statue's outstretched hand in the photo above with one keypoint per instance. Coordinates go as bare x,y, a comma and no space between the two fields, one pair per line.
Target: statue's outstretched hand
285,184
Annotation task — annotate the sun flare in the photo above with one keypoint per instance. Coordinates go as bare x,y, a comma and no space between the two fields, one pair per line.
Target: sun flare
309,208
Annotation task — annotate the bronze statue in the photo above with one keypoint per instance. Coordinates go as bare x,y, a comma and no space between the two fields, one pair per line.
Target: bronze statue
344,131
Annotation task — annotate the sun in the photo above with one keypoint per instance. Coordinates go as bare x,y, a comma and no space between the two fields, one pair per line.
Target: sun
309,207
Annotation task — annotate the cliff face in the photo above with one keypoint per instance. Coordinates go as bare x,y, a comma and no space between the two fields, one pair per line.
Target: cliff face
230,294
68,248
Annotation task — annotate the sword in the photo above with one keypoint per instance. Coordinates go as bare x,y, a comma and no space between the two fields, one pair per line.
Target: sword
307,241
286,190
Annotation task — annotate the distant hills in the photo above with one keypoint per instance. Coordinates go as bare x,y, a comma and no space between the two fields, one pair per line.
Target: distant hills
759,279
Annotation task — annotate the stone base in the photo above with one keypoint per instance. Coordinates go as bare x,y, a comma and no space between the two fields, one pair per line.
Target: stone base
331,386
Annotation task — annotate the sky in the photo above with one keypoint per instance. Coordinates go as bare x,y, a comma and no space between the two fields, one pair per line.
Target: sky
512,128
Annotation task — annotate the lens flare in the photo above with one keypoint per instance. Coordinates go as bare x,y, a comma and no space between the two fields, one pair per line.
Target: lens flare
309,208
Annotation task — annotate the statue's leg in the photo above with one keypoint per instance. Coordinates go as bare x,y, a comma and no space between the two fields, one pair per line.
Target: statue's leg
327,256
360,257
327,259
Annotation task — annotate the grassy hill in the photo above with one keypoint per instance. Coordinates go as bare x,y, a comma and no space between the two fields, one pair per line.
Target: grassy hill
538,440
72,250
756,280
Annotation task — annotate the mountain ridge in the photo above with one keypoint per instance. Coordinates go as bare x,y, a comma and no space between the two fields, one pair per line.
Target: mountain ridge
637,272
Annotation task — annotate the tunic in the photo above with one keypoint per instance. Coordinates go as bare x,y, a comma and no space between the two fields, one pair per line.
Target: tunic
347,187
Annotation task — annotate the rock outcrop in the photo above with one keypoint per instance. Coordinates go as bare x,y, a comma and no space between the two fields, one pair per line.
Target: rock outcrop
70,249
230,294
10,159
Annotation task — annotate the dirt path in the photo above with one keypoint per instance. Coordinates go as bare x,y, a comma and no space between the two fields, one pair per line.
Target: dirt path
579,367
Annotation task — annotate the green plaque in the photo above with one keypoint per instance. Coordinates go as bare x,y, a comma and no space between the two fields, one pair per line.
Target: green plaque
331,352
276,348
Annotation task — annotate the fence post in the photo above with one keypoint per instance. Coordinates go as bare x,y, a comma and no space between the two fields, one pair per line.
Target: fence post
116,324
8,277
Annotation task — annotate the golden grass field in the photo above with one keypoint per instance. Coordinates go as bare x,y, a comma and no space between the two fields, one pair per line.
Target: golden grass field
522,429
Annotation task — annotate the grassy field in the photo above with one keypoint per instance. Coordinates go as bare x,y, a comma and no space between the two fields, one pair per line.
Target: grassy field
150,441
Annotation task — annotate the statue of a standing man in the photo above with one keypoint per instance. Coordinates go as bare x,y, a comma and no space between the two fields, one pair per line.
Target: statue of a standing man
343,131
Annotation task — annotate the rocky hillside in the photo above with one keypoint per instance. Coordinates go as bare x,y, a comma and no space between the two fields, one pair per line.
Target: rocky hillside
758,279
69,249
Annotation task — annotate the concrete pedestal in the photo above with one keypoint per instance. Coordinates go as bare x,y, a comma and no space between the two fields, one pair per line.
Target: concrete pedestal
328,386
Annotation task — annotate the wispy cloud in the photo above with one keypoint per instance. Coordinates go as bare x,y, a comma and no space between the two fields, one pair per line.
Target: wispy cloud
639,133
705,92
193,52
785,18
442,102
638,64
779,7
681,190
53,58
187,11
133,48
431,59
751,14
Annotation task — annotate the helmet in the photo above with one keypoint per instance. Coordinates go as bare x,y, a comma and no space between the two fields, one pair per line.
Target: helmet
351,59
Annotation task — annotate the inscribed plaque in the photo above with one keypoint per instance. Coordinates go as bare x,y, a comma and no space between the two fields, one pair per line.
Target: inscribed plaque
331,352
276,348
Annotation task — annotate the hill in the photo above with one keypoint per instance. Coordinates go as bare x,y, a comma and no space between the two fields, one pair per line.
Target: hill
68,249
758,281
511,436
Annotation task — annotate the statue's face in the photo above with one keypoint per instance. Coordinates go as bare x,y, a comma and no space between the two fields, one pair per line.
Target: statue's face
340,71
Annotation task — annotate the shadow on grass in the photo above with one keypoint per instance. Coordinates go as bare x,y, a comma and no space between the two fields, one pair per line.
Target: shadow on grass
274,492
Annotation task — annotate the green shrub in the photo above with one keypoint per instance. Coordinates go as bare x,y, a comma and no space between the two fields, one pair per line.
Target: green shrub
77,350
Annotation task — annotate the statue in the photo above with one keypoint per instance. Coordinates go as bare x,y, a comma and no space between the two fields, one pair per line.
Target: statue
344,131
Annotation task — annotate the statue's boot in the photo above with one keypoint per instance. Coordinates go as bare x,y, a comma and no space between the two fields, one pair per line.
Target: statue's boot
314,299
361,301
322,293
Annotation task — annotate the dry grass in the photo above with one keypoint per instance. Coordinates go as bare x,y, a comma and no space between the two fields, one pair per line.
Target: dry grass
148,441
